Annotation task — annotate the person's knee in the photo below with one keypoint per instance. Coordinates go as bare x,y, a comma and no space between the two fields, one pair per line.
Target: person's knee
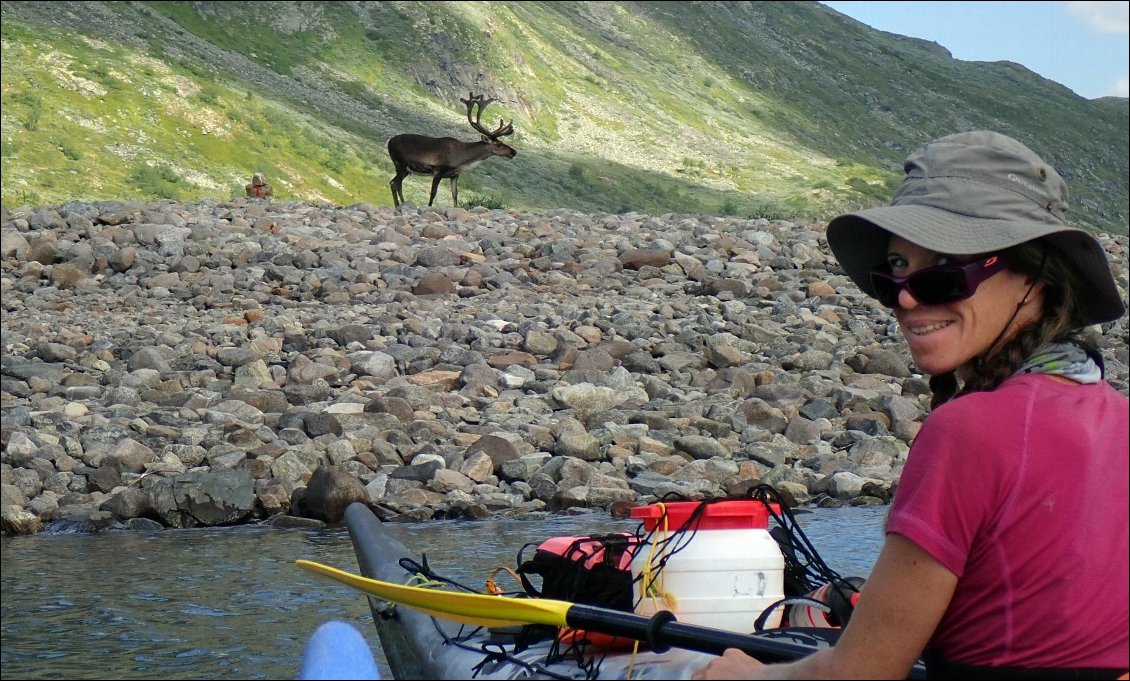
337,650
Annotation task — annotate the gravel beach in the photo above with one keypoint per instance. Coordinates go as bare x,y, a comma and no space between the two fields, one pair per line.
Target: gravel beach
179,365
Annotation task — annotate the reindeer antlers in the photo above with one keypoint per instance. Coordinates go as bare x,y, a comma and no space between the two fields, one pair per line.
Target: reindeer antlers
480,100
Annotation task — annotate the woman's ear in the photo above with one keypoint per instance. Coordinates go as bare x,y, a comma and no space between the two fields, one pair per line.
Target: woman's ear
1035,291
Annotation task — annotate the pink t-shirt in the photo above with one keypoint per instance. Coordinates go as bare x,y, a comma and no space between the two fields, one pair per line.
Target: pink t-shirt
1022,493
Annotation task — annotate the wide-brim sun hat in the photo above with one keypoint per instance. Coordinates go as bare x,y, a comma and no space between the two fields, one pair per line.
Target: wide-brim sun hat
977,192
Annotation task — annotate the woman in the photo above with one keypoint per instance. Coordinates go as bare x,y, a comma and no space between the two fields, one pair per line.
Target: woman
1006,545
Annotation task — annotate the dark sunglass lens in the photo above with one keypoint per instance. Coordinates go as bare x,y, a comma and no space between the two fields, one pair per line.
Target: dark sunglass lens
886,290
940,286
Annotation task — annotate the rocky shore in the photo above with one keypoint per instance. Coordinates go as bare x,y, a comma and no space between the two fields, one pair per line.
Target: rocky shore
180,365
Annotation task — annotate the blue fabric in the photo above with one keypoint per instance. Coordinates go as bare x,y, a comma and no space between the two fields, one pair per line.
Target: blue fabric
338,651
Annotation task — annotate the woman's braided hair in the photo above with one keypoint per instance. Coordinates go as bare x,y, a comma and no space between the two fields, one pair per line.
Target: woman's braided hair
1060,321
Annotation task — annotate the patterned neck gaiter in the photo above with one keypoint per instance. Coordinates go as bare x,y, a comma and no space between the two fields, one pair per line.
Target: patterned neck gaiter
1068,359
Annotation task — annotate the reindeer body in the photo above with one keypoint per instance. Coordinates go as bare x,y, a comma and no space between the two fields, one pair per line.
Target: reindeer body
443,157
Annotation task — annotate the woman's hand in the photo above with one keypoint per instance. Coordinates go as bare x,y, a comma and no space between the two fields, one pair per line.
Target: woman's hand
734,664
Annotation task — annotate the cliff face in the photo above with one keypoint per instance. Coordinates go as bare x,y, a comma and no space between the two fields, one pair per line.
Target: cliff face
773,110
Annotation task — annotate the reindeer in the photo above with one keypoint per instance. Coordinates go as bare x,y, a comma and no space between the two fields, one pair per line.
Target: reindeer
443,157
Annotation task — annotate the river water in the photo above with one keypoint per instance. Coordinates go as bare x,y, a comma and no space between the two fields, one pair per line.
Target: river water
229,603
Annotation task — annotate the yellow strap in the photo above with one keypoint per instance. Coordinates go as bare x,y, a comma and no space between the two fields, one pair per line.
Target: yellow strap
651,585
423,582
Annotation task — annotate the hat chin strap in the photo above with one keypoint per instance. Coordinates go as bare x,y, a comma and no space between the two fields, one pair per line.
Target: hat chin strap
979,362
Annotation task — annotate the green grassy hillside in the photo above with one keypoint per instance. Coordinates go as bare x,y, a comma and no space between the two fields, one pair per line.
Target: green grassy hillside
779,109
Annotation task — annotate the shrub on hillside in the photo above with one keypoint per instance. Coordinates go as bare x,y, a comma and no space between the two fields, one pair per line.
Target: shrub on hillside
158,181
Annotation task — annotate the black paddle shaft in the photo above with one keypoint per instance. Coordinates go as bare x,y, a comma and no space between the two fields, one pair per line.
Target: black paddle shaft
662,631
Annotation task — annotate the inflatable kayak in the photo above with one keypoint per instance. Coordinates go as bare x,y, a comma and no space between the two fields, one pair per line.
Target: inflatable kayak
450,641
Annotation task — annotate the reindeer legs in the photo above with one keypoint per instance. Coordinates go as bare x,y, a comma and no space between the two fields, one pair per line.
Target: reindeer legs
396,185
435,185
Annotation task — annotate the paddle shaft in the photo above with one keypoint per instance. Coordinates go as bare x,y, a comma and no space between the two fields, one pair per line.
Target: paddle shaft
662,631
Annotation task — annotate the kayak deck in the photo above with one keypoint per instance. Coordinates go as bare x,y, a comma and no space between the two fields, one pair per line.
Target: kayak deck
418,646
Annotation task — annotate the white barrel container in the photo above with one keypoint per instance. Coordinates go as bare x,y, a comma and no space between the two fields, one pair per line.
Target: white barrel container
727,572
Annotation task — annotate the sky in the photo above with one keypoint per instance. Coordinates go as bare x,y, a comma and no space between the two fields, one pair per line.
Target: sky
1082,45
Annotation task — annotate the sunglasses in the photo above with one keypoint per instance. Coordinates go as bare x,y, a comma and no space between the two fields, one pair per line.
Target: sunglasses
936,285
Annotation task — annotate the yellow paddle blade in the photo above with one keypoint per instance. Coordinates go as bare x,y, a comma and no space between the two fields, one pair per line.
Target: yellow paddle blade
467,608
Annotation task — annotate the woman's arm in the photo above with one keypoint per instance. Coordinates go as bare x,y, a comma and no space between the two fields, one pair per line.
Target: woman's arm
900,606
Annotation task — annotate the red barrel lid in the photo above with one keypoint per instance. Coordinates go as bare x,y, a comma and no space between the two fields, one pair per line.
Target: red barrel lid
743,514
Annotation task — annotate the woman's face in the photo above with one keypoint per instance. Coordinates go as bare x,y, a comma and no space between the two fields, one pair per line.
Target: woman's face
944,337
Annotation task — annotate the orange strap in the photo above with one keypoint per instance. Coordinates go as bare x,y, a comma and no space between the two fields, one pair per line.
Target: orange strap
492,587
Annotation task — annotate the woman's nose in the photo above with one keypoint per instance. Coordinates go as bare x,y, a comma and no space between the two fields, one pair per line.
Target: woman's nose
906,299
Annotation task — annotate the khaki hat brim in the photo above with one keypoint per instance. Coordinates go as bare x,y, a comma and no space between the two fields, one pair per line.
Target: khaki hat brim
859,241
